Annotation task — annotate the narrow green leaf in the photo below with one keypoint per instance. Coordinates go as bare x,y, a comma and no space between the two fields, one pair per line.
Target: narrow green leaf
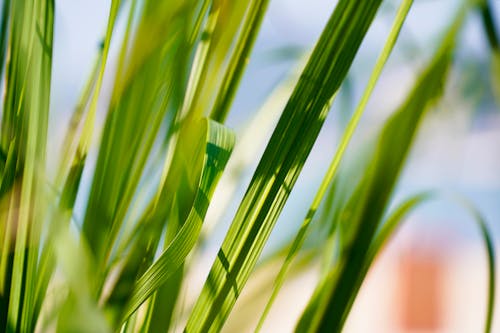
4,32
282,162
70,166
488,20
24,135
394,220
138,106
332,170
363,212
239,59
495,75
79,157
214,144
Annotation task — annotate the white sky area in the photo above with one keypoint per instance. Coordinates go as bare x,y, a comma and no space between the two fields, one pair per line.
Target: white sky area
448,154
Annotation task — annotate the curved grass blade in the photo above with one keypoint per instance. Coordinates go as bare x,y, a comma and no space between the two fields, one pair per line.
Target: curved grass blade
214,144
332,170
214,50
394,220
329,308
282,162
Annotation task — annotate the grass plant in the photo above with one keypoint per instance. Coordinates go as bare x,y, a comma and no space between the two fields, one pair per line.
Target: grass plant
162,150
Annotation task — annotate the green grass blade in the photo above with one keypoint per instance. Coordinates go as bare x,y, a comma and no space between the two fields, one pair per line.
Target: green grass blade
490,29
4,32
239,59
332,170
221,56
79,157
24,131
251,139
394,220
489,24
216,148
180,194
368,203
281,163
138,106
199,68
68,176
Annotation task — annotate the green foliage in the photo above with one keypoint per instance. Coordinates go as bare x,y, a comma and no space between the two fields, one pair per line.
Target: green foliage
162,151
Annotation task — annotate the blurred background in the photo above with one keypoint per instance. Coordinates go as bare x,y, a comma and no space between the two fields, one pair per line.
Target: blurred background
432,277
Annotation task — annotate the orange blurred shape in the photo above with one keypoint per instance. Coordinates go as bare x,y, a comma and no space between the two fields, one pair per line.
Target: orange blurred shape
420,292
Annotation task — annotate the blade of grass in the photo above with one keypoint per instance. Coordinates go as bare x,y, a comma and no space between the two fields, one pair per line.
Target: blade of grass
79,157
365,208
247,147
490,30
4,33
68,174
168,276
239,59
215,149
332,170
489,24
223,25
281,163
138,106
394,220
24,126
215,50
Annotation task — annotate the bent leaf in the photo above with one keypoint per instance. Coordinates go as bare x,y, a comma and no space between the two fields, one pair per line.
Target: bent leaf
213,143
394,220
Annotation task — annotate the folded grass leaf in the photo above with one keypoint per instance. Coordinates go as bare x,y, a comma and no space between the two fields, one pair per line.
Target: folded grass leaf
211,146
